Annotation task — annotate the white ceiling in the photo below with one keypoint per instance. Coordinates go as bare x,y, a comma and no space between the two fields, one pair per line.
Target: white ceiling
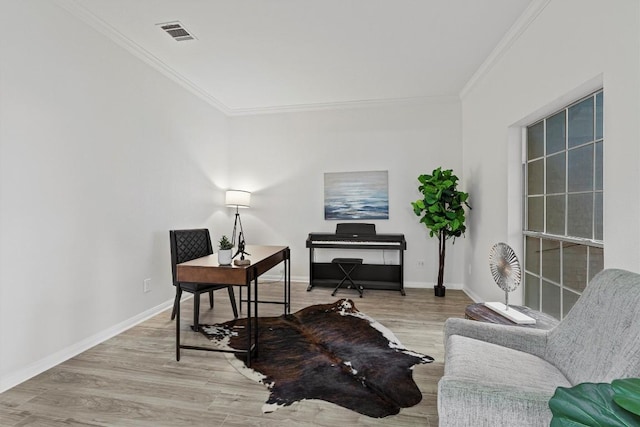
255,55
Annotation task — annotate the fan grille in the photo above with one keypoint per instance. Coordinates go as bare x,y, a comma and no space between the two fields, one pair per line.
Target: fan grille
505,267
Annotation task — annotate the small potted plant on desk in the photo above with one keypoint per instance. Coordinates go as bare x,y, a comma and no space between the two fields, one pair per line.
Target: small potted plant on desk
224,251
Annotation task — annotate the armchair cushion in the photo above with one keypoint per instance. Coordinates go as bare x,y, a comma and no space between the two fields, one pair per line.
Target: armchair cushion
495,385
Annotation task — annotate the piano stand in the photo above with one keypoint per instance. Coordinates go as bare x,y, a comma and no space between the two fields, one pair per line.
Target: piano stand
351,264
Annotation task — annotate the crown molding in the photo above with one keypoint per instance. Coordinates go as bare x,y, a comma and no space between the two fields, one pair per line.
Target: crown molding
433,100
109,31
517,29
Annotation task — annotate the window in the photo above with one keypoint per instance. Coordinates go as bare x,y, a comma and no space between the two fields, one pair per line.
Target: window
563,239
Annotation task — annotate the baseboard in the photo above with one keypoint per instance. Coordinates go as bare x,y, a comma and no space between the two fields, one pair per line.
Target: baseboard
407,284
40,366
475,297
429,285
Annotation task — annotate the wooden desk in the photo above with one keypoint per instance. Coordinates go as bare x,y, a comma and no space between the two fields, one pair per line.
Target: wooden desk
207,270
482,313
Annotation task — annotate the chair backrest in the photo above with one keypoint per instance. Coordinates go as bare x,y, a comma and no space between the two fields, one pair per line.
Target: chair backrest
599,339
187,245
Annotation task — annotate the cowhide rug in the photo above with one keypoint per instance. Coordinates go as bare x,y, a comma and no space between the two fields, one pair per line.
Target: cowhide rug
331,352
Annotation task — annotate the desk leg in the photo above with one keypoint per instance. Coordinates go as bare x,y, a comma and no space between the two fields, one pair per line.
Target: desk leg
249,324
255,329
178,328
288,278
286,286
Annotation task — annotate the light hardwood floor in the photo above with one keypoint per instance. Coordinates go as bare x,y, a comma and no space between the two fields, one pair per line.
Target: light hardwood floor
133,379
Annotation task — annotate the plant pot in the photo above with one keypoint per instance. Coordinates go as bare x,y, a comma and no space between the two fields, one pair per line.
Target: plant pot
224,256
439,290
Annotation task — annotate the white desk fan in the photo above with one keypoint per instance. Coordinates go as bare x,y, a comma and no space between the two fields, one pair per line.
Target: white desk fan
505,268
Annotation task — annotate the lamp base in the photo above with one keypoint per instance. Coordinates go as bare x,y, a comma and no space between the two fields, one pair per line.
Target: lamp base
241,261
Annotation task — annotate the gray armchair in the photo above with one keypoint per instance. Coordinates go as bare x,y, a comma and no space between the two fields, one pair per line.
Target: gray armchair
497,375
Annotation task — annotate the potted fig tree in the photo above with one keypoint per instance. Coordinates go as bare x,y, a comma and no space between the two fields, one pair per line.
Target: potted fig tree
441,209
224,251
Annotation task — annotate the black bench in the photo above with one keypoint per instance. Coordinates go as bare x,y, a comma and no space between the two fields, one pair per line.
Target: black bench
347,265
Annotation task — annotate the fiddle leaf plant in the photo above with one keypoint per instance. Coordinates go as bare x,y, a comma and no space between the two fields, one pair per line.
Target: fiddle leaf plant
442,211
225,244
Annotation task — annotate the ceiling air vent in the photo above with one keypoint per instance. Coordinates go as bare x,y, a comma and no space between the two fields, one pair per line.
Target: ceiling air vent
177,31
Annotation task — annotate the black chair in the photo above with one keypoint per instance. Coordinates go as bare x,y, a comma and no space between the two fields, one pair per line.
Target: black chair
185,246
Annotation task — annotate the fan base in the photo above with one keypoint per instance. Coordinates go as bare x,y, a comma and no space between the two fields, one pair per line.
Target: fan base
511,313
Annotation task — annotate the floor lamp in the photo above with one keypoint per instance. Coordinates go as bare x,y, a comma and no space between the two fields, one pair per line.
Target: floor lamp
238,199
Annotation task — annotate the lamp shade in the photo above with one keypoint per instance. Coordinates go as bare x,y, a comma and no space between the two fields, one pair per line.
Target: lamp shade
238,198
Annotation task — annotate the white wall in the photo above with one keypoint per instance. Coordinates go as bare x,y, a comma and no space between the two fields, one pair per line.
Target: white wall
572,47
282,159
99,157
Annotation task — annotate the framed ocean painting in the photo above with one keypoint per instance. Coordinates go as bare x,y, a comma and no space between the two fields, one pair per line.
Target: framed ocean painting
356,195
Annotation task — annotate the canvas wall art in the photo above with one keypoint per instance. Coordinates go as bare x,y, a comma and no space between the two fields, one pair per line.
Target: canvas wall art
356,195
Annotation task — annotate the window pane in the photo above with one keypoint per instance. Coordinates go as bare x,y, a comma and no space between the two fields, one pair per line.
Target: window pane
581,123
532,291
532,254
581,169
551,260
580,215
556,171
556,133
555,215
535,180
599,116
535,141
568,300
535,214
551,299
597,217
598,171
574,266
596,261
